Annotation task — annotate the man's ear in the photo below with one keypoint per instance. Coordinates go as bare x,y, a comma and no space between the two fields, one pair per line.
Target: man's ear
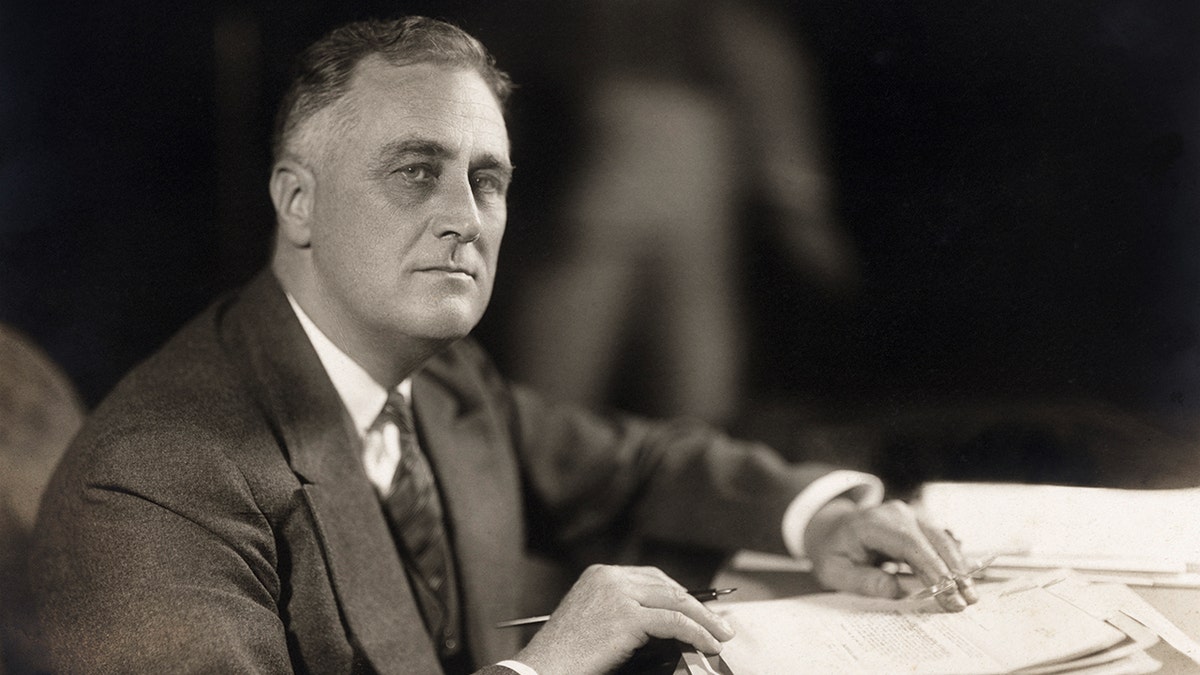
293,188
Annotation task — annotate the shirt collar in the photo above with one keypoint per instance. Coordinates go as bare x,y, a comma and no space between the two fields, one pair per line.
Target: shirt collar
360,393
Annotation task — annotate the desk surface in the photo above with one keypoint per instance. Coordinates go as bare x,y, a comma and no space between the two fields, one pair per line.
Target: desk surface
1180,605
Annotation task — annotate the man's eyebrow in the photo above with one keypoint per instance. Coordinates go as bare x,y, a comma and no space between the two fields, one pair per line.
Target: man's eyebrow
490,161
407,146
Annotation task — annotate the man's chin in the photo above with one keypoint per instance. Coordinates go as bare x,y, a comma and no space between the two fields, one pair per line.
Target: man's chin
448,327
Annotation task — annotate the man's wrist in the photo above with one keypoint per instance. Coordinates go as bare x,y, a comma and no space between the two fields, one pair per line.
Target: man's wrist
863,489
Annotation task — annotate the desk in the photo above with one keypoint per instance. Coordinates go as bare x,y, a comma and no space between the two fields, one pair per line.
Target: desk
1180,605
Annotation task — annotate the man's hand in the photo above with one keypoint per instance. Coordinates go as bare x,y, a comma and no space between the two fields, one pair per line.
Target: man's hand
846,543
610,612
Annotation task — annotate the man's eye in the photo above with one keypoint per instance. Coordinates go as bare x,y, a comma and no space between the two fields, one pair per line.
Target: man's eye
417,173
488,183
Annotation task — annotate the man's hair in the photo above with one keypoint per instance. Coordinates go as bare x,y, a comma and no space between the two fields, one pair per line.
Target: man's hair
322,73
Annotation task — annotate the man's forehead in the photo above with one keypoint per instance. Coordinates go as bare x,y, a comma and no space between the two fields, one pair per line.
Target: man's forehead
430,102
425,85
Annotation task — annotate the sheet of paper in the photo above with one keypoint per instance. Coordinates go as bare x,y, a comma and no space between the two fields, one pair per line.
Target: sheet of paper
1151,531
1112,599
842,633
1138,663
1029,566
1140,638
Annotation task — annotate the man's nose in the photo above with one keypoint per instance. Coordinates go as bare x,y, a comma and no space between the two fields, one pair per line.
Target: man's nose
458,214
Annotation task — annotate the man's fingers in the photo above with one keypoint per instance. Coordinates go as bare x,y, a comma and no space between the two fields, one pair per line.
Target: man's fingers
895,530
672,625
651,588
676,599
843,574
950,550
843,545
611,611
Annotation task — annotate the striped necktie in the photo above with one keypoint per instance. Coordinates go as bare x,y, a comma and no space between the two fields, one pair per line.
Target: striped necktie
414,512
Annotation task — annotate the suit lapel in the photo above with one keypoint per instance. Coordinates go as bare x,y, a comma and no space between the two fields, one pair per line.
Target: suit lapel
478,481
321,443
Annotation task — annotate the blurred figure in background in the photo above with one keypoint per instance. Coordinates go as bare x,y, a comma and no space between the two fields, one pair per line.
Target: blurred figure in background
39,413
694,110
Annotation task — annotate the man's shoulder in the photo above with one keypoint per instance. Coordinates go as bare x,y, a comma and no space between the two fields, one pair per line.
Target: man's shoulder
194,392
206,364
190,373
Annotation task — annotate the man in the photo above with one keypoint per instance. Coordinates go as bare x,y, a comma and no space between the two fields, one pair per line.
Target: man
257,496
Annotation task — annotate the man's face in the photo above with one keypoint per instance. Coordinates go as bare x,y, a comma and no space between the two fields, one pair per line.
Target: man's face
409,206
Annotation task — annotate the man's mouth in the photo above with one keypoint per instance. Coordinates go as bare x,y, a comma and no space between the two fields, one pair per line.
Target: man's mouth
448,269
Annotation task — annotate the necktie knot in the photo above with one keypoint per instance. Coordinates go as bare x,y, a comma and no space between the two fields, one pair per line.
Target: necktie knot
398,411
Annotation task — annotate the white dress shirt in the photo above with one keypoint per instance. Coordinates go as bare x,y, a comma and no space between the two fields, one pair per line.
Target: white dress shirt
364,399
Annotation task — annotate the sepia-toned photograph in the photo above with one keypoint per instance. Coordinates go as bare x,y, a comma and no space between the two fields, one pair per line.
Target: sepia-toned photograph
648,337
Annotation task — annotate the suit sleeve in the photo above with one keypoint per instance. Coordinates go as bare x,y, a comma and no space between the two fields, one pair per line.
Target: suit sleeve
167,570
594,476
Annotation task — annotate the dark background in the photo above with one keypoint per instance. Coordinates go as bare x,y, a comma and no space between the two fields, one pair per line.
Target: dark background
1020,179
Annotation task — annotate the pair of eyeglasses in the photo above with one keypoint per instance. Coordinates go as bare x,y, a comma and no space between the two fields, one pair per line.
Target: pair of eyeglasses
951,583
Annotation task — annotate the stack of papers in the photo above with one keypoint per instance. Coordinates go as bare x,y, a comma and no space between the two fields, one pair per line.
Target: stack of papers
1052,623
1056,597
1135,537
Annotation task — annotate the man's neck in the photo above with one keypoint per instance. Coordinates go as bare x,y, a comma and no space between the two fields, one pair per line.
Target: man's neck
389,359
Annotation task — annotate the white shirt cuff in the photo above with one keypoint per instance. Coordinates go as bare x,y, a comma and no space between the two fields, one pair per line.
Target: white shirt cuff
865,489
519,667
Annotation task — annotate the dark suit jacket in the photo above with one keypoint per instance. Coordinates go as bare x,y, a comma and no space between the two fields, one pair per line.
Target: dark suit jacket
214,515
